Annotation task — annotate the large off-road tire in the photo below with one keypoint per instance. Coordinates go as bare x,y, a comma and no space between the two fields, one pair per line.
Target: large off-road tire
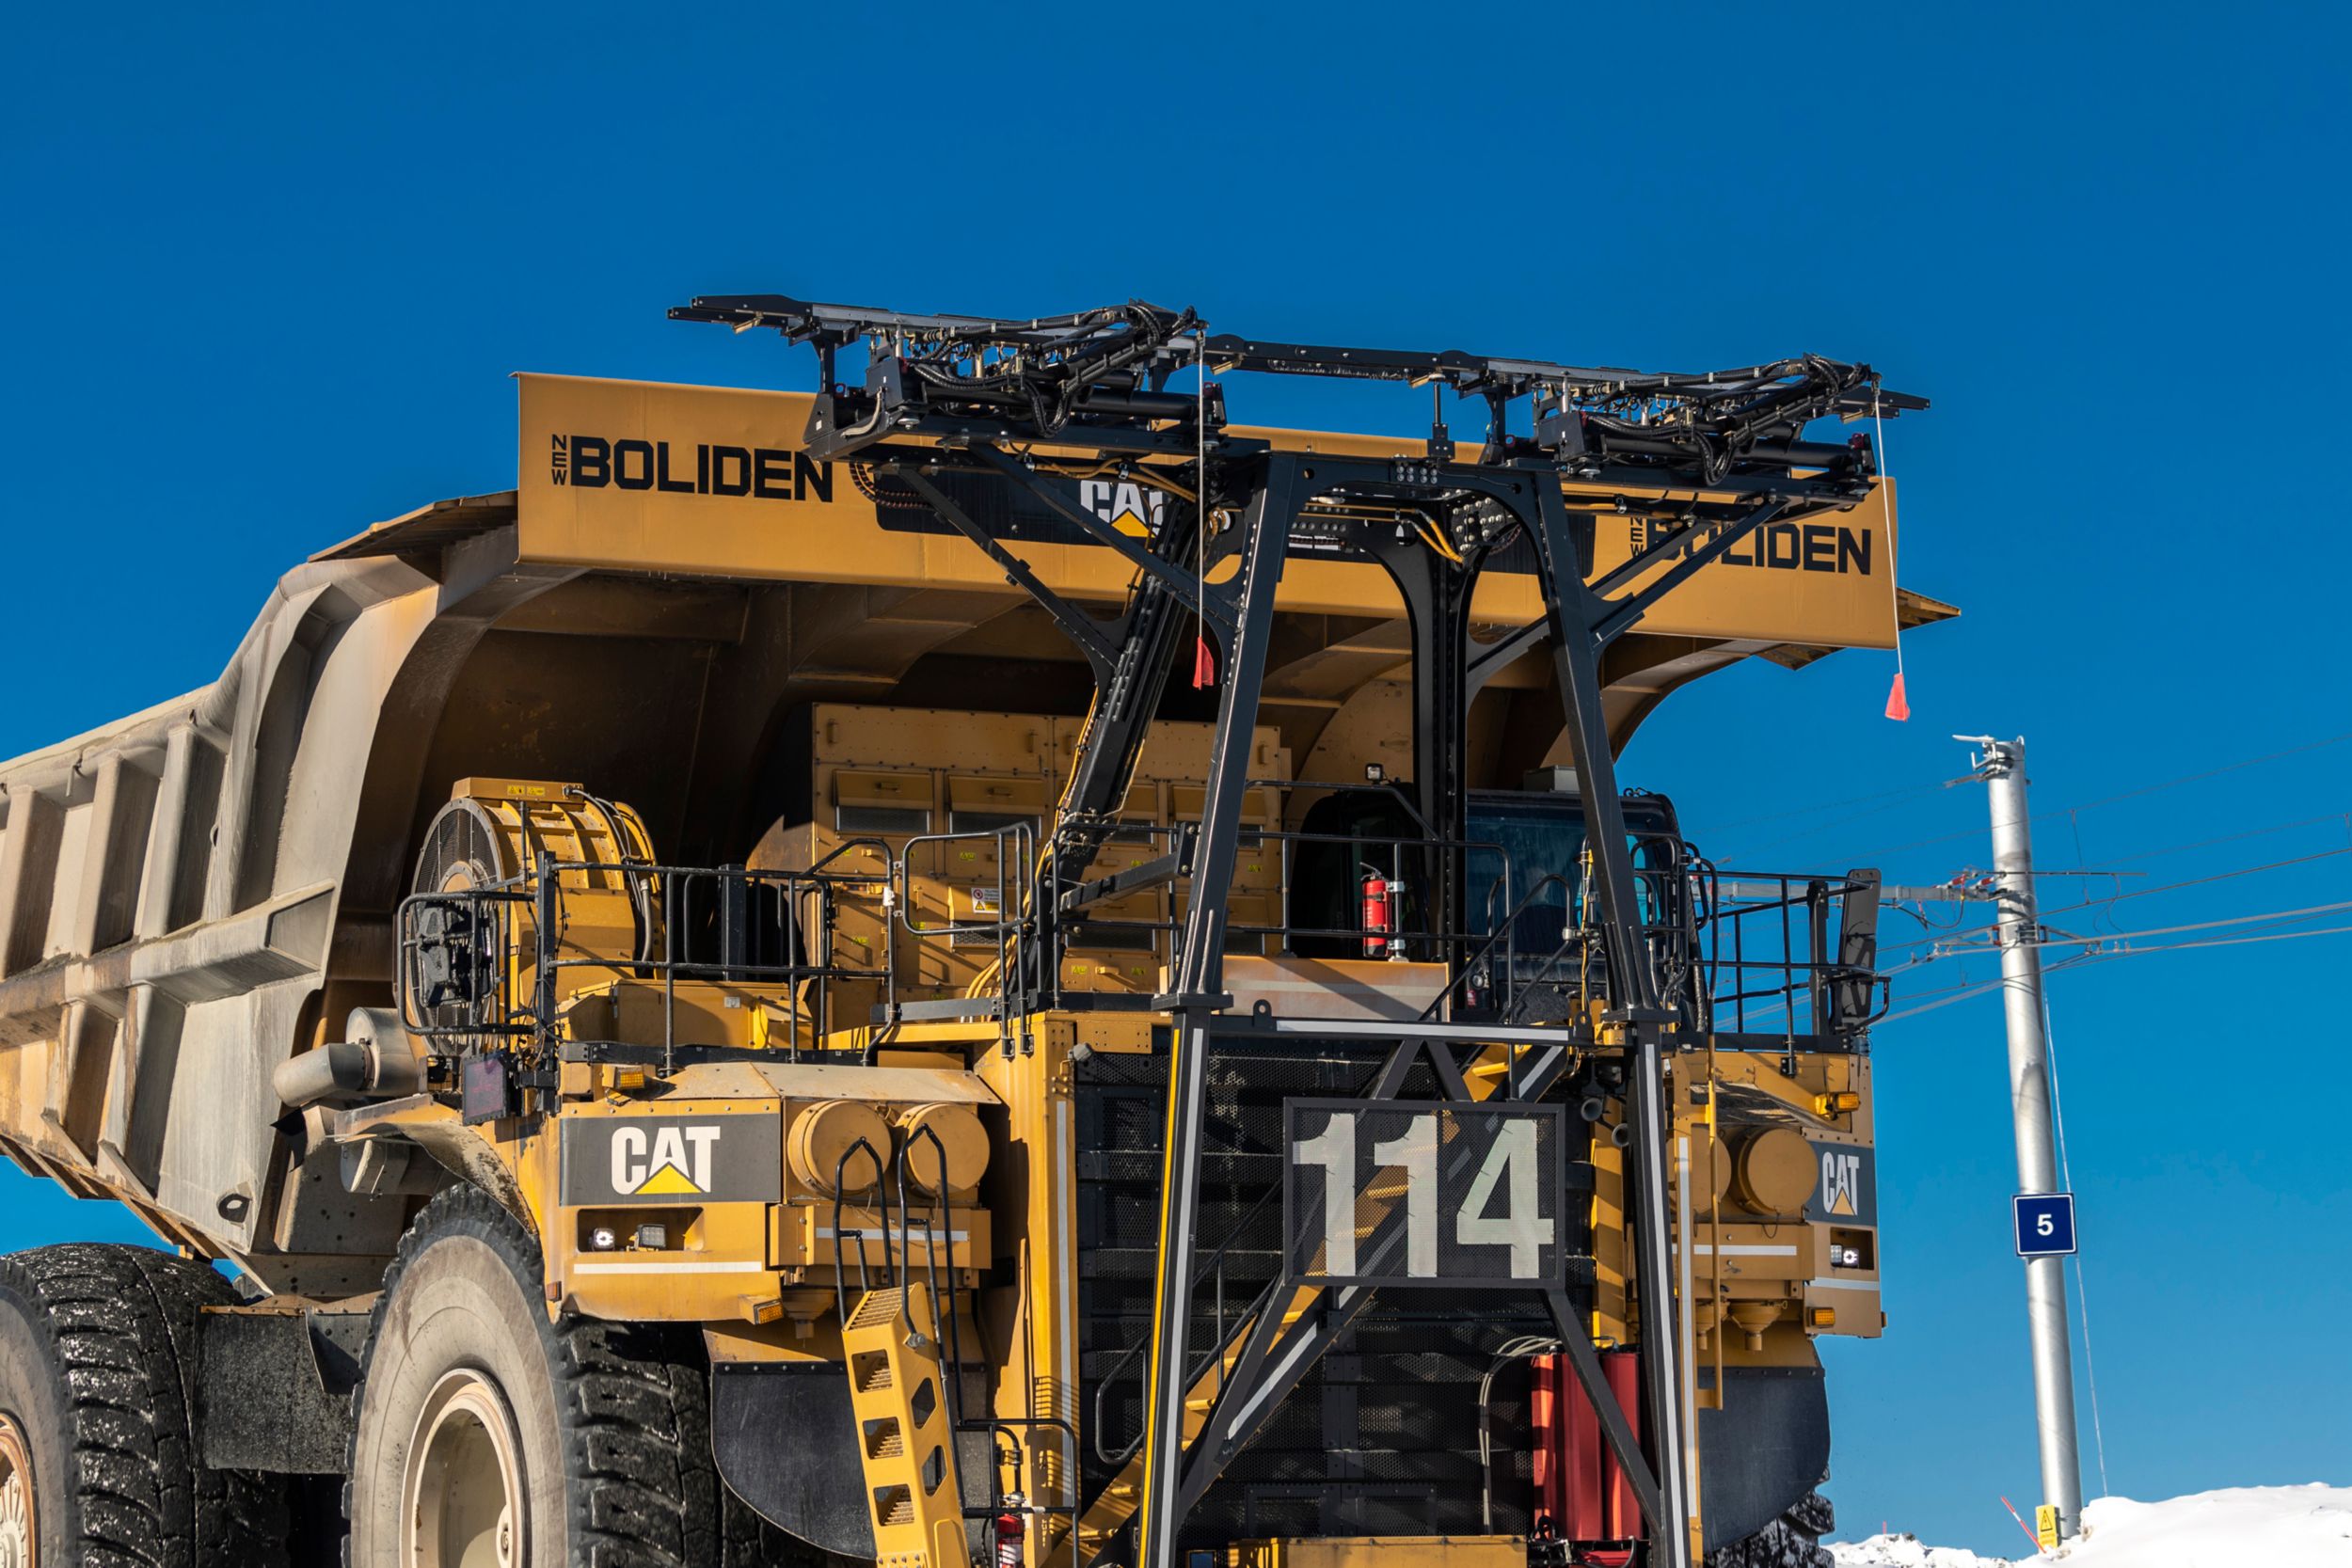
487,1435
98,1385
1791,1540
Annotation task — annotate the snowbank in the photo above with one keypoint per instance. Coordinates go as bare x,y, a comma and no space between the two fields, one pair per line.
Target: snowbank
2275,1527
1904,1551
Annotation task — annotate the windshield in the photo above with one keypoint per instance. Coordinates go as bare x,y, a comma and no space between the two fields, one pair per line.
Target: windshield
1541,838
1538,836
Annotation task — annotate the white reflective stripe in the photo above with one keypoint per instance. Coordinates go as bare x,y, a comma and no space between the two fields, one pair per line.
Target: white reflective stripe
737,1266
824,1233
1841,1284
1738,1251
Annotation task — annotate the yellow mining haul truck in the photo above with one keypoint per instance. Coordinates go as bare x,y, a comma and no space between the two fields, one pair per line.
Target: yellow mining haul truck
983,966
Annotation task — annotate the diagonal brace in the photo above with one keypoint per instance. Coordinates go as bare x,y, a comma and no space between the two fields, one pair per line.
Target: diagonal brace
1079,626
1620,615
1143,560
1623,613
1613,1426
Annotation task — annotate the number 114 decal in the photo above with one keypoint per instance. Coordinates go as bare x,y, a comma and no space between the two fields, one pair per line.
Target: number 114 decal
1402,1192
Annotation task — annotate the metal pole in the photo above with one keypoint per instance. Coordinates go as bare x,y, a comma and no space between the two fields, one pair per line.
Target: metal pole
2002,765
1634,998
1196,1000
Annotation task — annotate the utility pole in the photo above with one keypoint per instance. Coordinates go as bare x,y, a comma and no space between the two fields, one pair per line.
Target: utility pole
2002,765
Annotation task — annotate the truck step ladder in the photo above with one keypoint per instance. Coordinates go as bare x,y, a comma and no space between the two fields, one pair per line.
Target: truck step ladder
906,1442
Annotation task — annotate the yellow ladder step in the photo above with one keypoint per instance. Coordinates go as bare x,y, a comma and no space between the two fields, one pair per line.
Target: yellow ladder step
913,1497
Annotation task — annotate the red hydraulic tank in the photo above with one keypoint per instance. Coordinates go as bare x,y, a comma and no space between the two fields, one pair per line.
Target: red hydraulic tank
1580,1487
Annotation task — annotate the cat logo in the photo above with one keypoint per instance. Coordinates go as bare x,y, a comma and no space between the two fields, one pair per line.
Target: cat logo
1132,509
1841,1183
671,1161
713,1158
1844,1188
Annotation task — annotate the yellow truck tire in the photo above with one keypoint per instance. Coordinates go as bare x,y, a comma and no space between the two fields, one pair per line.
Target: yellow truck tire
98,1448
486,1431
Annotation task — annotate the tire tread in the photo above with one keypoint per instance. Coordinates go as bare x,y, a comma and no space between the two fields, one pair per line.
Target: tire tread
123,1332
633,1404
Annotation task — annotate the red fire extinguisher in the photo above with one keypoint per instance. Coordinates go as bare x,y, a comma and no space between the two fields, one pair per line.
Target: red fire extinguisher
1380,912
1008,1528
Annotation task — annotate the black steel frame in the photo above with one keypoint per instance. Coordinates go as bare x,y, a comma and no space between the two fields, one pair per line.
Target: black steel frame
1710,459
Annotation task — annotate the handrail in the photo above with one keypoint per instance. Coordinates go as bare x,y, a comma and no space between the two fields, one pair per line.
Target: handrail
802,920
1211,1269
1720,942
840,1191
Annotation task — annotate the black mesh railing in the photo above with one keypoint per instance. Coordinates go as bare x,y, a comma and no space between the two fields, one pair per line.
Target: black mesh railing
1778,954
1744,953
486,967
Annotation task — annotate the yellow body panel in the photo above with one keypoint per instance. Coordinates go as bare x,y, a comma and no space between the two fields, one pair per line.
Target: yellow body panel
1828,582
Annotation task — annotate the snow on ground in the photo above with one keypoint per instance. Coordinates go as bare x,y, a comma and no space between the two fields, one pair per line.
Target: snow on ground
2274,1527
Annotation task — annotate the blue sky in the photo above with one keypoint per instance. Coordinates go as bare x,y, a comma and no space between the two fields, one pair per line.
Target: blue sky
266,273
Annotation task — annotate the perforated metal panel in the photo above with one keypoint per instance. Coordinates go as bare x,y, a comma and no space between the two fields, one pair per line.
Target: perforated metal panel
1382,1435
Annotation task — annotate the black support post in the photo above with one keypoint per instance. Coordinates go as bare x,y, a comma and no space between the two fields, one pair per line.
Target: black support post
1196,999
1574,613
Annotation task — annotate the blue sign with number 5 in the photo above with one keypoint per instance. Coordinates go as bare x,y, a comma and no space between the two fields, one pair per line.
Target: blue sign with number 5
2045,1224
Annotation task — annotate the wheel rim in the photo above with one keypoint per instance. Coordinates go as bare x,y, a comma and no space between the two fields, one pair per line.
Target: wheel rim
18,1529
462,1492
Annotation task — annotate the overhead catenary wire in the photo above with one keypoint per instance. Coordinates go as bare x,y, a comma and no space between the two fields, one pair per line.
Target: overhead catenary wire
1953,939
2129,952
1981,987
2343,817
1957,950
2108,900
2104,955
1956,939
1938,934
2307,912
2018,904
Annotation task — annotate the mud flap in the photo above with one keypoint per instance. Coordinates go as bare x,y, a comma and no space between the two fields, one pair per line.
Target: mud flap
275,1394
787,1443
1764,1450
